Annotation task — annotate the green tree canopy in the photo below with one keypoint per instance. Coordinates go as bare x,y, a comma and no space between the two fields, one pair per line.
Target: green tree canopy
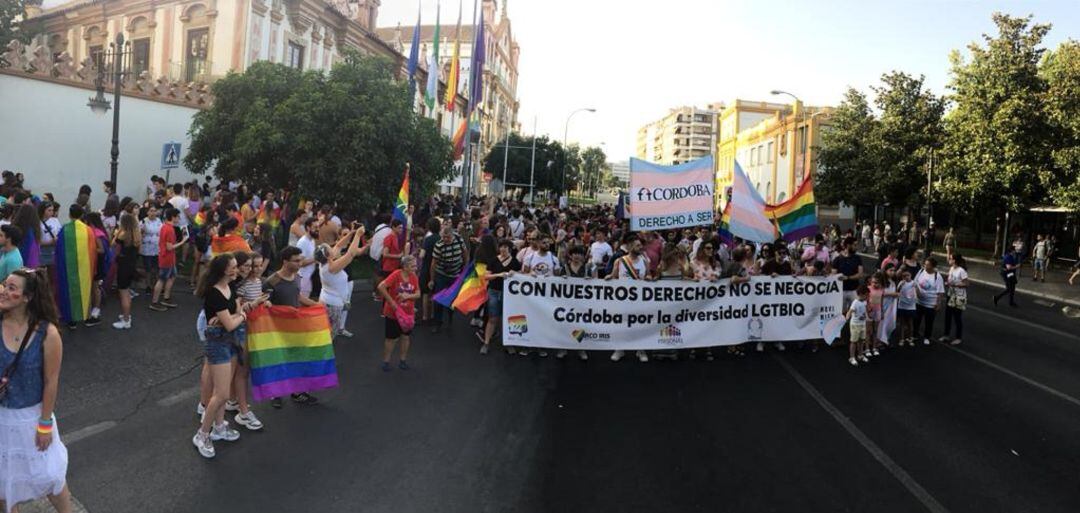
550,158
1061,70
998,139
343,136
12,26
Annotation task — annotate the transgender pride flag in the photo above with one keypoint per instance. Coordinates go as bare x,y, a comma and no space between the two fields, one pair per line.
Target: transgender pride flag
748,219
663,197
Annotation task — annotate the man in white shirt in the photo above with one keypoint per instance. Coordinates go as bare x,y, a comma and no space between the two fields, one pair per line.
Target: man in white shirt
600,251
634,265
179,202
307,251
517,225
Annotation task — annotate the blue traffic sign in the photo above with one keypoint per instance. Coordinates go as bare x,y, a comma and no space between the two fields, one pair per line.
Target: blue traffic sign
170,155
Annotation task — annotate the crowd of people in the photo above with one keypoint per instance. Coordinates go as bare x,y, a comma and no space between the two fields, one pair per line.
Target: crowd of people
238,249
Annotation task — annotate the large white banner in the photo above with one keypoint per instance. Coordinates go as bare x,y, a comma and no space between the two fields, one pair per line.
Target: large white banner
575,313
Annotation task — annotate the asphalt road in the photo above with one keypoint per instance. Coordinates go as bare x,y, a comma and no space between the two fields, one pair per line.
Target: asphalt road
991,426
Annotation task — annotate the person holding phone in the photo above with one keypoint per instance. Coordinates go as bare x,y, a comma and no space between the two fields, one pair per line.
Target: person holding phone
248,287
332,261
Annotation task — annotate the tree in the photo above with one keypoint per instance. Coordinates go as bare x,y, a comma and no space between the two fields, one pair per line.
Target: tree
12,22
997,140
593,163
519,162
848,159
342,137
1061,70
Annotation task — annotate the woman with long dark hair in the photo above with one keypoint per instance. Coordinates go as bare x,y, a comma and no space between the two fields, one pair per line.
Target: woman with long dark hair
30,363
500,264
224,317
127,240
26,218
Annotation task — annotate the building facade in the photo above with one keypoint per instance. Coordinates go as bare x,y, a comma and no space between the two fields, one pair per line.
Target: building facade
621,172
774,144
499,109
684,134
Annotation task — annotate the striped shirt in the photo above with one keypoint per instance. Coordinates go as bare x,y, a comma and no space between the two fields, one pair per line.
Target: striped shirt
250,290
449,257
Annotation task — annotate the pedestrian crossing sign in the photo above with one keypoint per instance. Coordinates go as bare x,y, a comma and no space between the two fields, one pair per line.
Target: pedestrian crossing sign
170,155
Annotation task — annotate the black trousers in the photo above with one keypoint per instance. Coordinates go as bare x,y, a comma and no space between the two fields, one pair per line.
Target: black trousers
925,316
954,315
1010,288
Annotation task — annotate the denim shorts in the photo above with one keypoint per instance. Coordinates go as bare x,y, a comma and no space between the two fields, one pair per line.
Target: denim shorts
220,346
166,273
494,304
1040,264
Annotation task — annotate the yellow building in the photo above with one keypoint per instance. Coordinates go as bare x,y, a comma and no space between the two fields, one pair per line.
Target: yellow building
773,142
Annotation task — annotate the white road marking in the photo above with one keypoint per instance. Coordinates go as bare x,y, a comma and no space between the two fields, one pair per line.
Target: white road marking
1063,334
1050,390
87,432
179,397
895,469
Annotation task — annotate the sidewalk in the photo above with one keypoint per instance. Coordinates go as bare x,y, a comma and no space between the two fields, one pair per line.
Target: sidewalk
984,272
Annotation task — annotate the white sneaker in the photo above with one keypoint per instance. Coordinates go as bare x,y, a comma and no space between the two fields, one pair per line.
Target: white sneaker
943,339
476,322
875,352
853,361
345,333
925,341
122,324
200,410
780,346
583,356
759,347
617,355
223,432
232,406
642,357
864,359
560,354
250,421
203,444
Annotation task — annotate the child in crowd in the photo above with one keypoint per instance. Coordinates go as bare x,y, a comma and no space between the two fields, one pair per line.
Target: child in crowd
857,321
905,309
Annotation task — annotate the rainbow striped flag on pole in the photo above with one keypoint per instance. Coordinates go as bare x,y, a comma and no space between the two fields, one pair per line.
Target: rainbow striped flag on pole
290,350
468,292
796,217
76,263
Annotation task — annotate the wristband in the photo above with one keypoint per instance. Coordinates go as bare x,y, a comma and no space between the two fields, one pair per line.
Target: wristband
45,422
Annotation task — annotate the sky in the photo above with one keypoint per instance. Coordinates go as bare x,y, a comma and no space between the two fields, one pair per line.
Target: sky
632,60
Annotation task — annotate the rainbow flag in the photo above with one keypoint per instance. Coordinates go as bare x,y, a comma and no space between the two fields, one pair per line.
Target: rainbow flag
200,219
459,139
30,250
290,351
468,292
230,243
401,206
76,262
452,78
796,217
725,227
271,216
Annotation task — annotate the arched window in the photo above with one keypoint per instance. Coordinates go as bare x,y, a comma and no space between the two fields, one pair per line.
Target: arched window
140,34
198,36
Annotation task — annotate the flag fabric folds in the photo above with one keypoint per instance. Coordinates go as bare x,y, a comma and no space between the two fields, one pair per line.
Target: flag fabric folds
459,139
831,328
725,227
455,64
748,218
76,263
797,217
414,57
432,94
888,319
270,214
468,292
401,205
228,244
476,67
30,250
290,350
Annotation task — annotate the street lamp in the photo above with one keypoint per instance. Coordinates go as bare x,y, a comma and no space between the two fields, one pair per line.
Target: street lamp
802,117
118,51
566,131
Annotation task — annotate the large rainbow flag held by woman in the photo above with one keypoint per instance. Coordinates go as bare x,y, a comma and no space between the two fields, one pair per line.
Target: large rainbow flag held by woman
290,351
230,243
76,262
796,217
468,292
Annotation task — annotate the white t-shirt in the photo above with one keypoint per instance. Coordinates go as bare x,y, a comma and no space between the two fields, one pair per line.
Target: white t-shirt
542,265
377,239
151,230
51,225
335,286
307,250
957,275
599,250
858,312
928,287
907,296
1040,249
517,228
640,265
180,203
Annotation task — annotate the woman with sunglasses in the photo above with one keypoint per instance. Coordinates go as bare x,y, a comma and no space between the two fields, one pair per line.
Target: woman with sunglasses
29,379
704,268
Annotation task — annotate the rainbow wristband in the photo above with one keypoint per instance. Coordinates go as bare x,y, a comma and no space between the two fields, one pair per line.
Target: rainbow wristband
44,430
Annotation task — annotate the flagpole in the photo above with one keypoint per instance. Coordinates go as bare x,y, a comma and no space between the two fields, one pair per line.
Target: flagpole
506,160
466,170
532,168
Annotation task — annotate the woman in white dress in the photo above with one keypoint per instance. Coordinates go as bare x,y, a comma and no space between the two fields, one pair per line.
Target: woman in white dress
33,460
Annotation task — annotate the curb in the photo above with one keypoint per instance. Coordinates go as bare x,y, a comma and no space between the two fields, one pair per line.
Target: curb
999,286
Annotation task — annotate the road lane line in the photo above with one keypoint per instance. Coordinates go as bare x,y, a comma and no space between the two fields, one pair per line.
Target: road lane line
87,432
179,397
894,468
1063,334
1025,379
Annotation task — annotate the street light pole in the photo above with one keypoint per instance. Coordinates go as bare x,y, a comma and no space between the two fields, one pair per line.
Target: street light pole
99,105
802,118
566,132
